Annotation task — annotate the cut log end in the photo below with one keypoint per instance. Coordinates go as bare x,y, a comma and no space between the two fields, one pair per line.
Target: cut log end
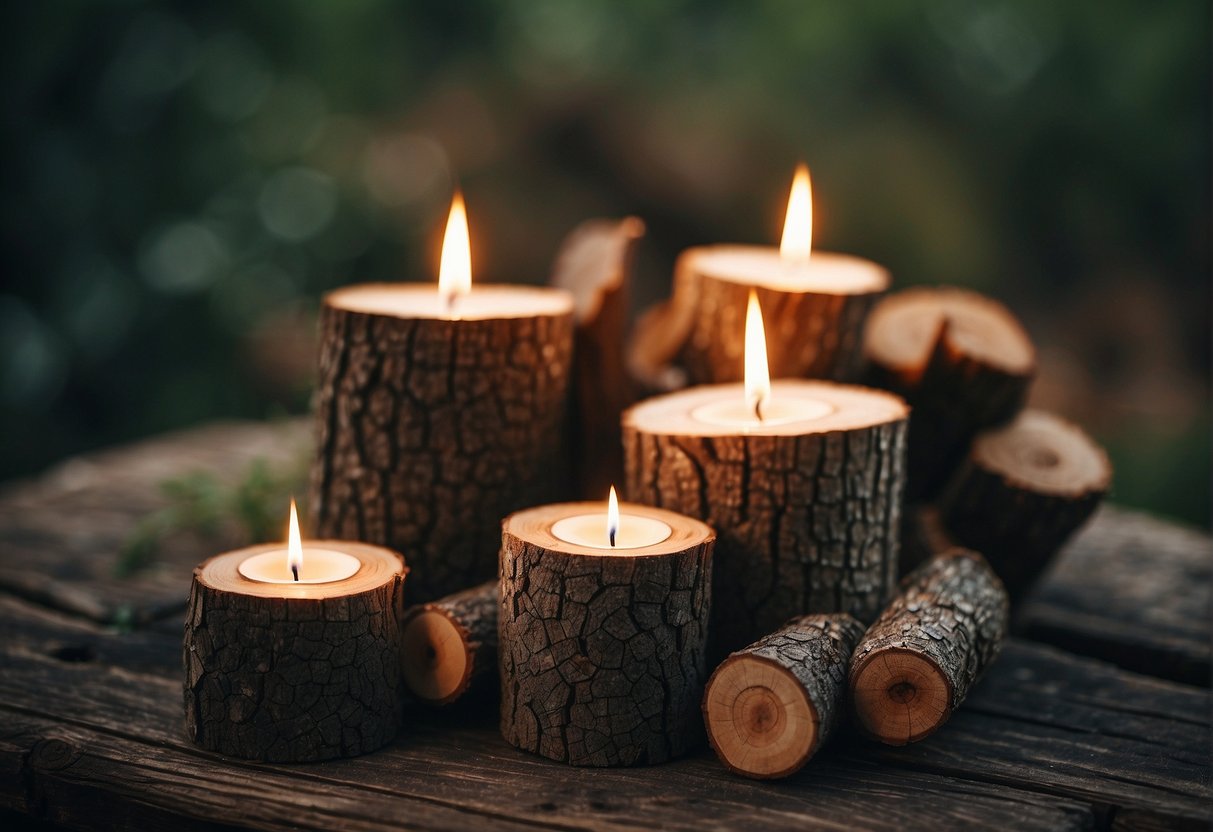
759,719
900,696
435,657
1044,454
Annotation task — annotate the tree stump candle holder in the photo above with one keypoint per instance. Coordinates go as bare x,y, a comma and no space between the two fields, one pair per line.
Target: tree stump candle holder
603,650
436,418
806,502
1022,492
294,672
917,663
963,363
814,309
770,707
449,646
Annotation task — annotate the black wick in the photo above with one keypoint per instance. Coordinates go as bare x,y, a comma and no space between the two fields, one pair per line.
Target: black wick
295,572
611,537
758,409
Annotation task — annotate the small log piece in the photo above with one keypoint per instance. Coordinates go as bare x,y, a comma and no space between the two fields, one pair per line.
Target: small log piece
1022,492
814,326
961,360
652,351
594,264
430,429
807,510
450,645
917,663
294,672
602,652
770,707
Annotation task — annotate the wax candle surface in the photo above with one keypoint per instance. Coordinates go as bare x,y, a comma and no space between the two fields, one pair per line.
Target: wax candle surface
320,566
765,266
423,300
590,530
735,412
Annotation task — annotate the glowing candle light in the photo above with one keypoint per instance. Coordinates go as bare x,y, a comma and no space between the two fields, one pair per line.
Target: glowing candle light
624,532
455,269
797,242
757,373
288,566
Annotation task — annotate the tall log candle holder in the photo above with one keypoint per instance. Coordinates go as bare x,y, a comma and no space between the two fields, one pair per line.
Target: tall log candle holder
603,648
295,665
805,500
439,411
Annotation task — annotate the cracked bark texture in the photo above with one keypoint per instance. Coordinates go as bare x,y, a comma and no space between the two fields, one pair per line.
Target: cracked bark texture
955,390
809,334
430,431
805,523
294,679
748,719
917,663
1022,492
450,645
603,657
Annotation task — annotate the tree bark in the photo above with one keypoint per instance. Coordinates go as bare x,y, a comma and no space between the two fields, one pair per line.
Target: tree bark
1022,492
595,265
430,431
961,360
603,655
811,334
808,516
288,673
917,663
450,645
770,707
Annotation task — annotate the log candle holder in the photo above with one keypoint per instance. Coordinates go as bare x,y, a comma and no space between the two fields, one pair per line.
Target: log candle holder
770,707
962,362
917,663
806,501
294,672
602,649
1022,491
450,645
435,420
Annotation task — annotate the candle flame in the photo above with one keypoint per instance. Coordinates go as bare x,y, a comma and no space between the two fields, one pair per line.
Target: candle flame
797,242
612,516
455,270
294,546
757,373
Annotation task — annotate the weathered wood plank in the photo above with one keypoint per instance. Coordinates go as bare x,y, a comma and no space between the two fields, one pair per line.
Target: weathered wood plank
1132,590
63,531
108,749
1050,721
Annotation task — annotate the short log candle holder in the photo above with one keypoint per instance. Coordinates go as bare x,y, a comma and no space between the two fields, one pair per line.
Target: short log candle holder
917,663
806,500
450,645
294,671
437,419
603,648
770,707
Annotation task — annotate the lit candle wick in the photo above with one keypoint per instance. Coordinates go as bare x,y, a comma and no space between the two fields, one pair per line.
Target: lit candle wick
612,517
455,269
757,373
295,572
294,544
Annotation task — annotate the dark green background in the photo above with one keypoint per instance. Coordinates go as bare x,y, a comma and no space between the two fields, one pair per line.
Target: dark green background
182,180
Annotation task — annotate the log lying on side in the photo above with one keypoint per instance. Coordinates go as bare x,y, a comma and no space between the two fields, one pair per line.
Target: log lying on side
916,664
449,646
602,652
770,707
595,264
961,360
294,673
1022,492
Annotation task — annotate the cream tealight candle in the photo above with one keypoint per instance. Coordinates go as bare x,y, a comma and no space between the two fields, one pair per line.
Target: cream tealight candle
286,566
619,530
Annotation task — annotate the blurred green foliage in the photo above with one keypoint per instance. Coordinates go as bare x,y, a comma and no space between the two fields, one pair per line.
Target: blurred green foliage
182,180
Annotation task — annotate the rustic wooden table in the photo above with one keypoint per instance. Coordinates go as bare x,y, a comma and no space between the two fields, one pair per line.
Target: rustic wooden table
1096,715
